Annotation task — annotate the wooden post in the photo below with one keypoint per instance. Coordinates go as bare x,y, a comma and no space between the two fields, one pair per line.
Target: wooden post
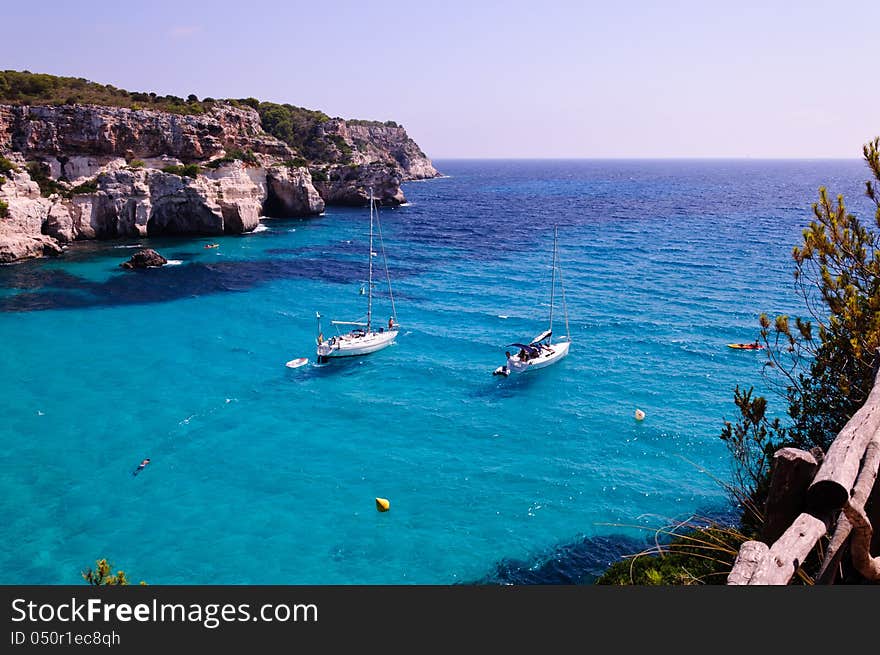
789,551
830,490
861,492
862,531
750,556
793,470
861,542
831,564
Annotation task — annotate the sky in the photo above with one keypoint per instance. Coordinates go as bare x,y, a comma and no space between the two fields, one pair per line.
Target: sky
539,79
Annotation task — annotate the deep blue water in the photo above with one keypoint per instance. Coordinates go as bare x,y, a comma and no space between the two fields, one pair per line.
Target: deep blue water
266,475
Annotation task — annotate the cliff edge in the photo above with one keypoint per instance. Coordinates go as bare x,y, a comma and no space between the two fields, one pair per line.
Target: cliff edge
164,165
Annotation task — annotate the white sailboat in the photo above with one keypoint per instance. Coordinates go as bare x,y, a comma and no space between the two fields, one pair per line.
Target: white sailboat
541,351
362,338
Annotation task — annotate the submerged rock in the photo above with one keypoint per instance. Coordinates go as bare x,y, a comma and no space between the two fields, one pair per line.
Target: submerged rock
146,258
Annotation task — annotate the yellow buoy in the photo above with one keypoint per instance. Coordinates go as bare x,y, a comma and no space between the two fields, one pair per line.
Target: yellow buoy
640,415
382,504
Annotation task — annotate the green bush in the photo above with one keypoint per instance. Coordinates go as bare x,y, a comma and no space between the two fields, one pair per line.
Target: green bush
26,88
6,166
188,170
319,176
86,187
297,162
697,555
136,163
4,209
246,156
39,174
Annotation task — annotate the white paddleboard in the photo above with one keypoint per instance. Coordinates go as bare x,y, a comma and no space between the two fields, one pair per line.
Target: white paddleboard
296,363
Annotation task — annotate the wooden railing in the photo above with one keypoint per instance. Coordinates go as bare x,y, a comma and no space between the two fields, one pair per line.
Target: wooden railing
809,494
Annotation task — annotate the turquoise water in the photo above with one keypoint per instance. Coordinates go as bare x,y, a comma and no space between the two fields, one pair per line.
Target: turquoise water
264,474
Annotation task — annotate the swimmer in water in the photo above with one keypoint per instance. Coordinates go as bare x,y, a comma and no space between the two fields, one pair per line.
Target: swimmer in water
141,466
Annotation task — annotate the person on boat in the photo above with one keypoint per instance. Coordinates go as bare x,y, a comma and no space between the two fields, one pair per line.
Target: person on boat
320,338
390,322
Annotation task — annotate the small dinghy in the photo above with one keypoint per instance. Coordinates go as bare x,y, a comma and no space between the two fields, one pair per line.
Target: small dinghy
296,363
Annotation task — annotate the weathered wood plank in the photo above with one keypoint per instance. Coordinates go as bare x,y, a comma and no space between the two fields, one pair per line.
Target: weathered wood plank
831,487
860,545
831,564
789,551
793,470
854,510
861,492
750,556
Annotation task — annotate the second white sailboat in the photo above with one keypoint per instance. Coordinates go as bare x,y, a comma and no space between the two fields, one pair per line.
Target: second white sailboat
541,351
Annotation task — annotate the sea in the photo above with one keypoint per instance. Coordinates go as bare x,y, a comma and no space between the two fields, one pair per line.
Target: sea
264,474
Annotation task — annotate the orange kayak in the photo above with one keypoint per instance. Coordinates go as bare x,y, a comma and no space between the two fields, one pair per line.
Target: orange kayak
746,346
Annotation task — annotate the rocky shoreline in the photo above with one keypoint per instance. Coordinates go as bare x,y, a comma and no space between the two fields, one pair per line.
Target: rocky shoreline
75,172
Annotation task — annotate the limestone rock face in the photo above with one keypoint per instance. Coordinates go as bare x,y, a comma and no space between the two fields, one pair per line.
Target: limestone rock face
21,234
78,169
59,223
183,206
146,258
16,246
240,193
388,143
350,185
290,193
93,131
89,151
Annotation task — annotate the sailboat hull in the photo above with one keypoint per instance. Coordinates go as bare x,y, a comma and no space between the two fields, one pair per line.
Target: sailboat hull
353,344
547,357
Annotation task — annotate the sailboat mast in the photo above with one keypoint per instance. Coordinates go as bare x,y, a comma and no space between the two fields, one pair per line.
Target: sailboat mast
553,283
370,279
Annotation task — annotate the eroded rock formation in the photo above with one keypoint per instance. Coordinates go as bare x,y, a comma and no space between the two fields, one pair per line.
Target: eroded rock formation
96,172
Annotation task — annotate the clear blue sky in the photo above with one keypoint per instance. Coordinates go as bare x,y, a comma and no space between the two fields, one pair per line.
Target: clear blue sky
623,78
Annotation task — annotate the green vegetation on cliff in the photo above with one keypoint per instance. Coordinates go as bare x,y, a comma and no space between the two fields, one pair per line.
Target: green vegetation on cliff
360,121
296,126
693,554
26,88
6,167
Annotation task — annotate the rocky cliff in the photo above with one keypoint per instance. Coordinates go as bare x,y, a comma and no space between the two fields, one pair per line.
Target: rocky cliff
98,172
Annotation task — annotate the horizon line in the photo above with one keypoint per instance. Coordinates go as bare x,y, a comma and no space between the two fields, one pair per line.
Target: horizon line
647,158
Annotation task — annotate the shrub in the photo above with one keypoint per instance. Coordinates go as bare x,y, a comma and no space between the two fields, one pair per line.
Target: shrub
188,170
247,156
6,166
4,209
26,88
217,163
136,163
319,176
700,554
297,162
86,187
40,175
